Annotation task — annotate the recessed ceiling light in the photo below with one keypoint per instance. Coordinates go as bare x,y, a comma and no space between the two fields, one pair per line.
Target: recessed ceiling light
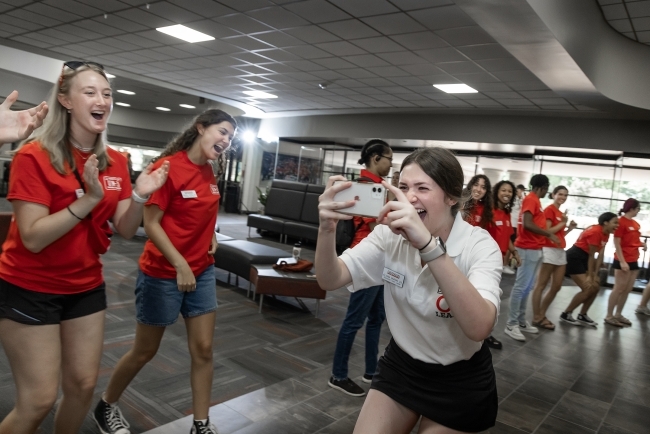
109,75
185,33
123,104
455,88
126,92
259,94
163,109
186,106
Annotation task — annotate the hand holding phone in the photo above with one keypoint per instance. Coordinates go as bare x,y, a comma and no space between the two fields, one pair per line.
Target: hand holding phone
369,199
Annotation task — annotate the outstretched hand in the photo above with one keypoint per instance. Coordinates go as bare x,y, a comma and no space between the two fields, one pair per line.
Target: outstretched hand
18,125
402,218
149,181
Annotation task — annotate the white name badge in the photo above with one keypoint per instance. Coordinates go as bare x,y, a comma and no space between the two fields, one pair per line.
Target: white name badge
79,192
499,223
188,194
393,277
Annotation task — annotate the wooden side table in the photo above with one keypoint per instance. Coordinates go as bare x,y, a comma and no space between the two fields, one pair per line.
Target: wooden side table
268,280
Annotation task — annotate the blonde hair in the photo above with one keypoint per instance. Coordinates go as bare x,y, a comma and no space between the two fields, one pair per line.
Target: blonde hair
54,134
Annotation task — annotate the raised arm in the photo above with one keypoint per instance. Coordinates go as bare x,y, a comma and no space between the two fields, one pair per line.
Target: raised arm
18,125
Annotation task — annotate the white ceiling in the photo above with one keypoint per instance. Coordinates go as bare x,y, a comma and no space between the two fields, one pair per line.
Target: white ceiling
629,17
371,54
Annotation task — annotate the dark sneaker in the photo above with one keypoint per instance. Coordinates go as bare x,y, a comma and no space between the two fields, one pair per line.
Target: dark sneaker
203,428
346,386
492,342
109,419
585,320
366,378
568,318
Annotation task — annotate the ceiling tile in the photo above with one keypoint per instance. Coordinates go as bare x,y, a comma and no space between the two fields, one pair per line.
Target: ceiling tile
408,81
351,84
638,9
377,45
350,29
277,39
459,67
145,18
369,90
621,25
485,51
558,107
507,76
401,58
643,36
475,77
496,65
329,75
465,36
173,52
376,82
304,65
528,85
279,68
334,63
212,28
420,40
23,14
78,7
173,13
485,103
278,18
207,8
246,5
455,103
341,48
428,103
422,69
83,33
491,87
56,33
437,55
246,43
549,101
357,73
278,55
364,8
121,23
408,5
25,25
104,5
138,40
69,52
366,61
443,17
394,24
502,95
308,52
12,30
118,43
641,24
31,41
312,34
390,71
317,11
52,12
515,102
242,23
614,12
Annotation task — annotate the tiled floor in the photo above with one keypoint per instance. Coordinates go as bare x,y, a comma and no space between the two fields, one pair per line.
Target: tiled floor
271,370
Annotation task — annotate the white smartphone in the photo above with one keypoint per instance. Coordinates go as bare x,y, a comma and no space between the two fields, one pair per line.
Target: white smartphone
369,199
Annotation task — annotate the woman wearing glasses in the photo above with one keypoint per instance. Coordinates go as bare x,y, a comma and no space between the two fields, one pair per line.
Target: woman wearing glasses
368,304
65,185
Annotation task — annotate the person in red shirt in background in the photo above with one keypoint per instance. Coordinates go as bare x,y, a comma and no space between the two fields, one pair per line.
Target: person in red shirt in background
582,266
377,157
176,273
501,228
553,258
478,210
531,236
66,183
627,240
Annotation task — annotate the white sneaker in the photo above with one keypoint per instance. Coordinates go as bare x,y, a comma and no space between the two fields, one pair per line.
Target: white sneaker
528,328
508,270
515,333
643,310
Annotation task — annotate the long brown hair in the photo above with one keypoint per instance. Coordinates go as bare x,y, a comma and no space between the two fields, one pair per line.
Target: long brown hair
186,139
487,217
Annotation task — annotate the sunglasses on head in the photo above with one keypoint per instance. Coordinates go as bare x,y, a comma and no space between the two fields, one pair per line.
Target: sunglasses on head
74,65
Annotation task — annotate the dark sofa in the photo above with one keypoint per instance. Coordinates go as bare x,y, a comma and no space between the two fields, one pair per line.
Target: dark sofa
291,210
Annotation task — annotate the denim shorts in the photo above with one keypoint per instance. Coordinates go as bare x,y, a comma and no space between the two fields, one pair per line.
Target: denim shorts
158,301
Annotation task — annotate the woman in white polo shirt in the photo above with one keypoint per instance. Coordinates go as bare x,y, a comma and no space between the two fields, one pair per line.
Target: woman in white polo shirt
441,302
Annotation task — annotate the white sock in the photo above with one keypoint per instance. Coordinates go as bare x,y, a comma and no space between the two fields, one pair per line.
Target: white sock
203,421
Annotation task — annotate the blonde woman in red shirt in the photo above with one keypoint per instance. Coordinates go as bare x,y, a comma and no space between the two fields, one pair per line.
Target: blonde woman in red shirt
65,185
553,258
627,240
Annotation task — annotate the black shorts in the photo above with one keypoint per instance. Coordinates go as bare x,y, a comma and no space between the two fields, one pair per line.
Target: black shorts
38,308
461,396
577,261
634,265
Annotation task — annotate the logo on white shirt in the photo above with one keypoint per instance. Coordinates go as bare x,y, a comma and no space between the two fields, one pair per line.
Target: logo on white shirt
112,183
444,311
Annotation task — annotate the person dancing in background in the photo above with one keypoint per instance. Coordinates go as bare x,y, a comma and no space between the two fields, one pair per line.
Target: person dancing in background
582,266
501,228
65,185
530,239
176,273
627,240
553,258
